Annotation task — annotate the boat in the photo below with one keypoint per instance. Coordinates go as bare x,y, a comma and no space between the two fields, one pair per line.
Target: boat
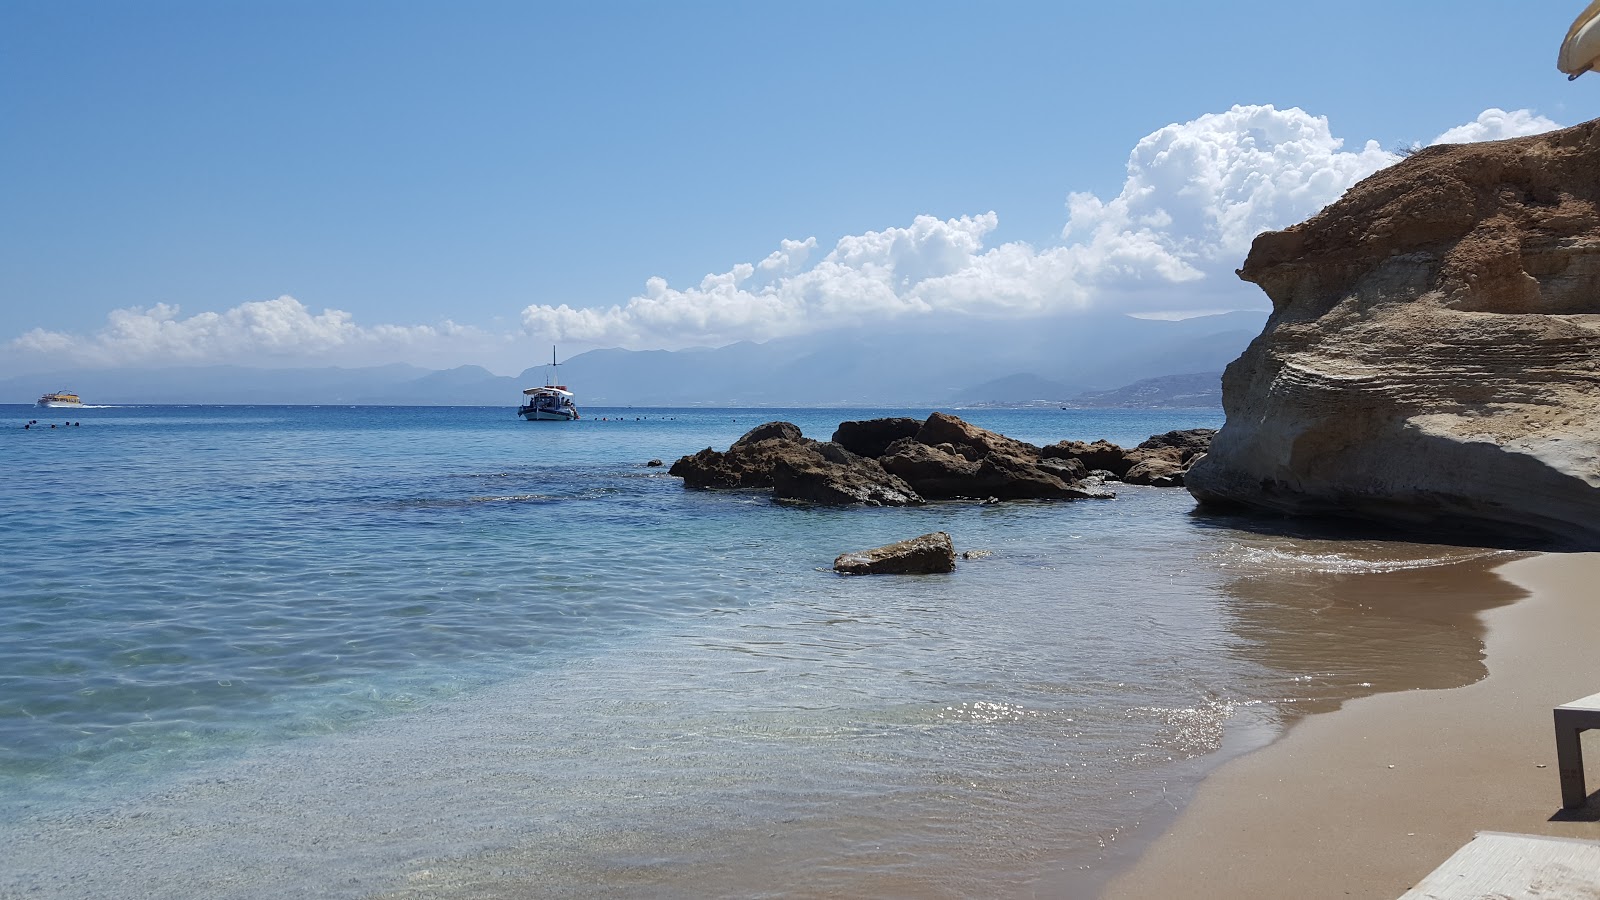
550,403
60,399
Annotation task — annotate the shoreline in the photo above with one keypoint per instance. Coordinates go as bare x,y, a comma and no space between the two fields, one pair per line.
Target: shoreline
1366,800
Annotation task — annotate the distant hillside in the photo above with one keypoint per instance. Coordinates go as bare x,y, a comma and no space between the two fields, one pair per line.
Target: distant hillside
946,362
1203,389
1018,389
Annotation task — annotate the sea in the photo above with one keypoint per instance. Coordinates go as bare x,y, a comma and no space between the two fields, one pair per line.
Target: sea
354,651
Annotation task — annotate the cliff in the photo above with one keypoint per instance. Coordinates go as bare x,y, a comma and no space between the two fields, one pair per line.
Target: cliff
1433,354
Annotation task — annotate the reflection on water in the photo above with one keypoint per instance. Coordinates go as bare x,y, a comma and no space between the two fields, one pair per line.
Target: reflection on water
1350,623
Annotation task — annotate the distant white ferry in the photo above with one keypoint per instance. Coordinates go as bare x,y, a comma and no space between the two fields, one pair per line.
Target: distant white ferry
59,399
550,403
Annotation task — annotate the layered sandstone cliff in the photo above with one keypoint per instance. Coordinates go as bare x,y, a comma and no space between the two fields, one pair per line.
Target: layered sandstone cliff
1433,355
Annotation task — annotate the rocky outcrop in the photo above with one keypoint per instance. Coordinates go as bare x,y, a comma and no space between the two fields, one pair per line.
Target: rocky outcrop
1433,354
833,476
925,555
777,456
1099,456
943,428
941,458
1160,461
746,464
871,437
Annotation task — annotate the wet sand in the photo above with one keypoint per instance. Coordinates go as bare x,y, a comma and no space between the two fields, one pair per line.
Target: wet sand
1366,800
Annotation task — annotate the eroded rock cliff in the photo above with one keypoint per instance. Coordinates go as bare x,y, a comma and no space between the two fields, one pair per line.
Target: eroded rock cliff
1433,355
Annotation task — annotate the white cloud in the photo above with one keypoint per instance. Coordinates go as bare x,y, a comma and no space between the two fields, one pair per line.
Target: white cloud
1195,195
1496,125
281,331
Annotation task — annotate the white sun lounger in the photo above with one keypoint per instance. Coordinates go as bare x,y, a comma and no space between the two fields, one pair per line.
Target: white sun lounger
1573,719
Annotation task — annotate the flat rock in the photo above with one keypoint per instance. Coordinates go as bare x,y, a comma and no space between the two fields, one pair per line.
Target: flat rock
928,554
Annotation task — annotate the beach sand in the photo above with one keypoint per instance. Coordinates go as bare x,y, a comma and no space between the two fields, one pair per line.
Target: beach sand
1366,800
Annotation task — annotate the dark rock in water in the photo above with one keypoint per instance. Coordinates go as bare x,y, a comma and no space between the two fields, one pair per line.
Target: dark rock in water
1101,455
976,554
829,474
1156,471
654,463
931,471
941,458
775,456
928,554
1015,478
872,437
733,469
943,428
782,431
1065,469
1191,443
746,464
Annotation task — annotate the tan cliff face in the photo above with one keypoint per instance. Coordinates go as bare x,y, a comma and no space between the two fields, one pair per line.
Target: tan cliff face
1433,355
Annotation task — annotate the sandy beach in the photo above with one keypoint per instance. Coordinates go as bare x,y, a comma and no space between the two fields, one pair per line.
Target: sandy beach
1366,800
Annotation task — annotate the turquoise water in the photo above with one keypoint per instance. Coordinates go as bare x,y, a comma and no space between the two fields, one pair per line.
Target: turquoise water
330,651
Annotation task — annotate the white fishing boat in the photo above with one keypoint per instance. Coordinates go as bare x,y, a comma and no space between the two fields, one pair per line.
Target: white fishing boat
550,403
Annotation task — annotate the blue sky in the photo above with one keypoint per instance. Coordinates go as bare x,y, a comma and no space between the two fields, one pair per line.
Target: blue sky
430,171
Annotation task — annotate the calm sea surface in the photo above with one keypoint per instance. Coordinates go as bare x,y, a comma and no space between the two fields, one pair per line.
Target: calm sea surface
353,651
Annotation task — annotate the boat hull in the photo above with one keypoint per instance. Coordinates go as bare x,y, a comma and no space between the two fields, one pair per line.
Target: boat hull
547,415
59,404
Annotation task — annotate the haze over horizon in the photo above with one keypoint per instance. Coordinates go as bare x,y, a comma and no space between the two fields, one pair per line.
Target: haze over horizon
357,184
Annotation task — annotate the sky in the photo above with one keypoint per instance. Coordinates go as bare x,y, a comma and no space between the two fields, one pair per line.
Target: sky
357,183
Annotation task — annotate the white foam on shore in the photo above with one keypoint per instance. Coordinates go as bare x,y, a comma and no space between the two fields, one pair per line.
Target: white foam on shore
1384,558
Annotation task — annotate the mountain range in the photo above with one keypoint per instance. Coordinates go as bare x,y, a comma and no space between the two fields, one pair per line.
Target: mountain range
949,363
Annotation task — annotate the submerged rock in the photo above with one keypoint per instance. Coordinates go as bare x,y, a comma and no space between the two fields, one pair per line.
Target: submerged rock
1433,354
928,554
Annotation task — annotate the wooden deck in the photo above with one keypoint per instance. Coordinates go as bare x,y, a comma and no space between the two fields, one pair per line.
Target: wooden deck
1515,866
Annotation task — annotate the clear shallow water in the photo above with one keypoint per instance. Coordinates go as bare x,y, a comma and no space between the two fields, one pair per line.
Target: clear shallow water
261,651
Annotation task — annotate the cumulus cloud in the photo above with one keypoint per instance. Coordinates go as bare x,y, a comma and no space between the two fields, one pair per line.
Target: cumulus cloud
931,265
283,330
1195,195
1496,125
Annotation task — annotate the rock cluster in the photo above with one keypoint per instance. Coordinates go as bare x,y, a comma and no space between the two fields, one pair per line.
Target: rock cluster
900,462
1433,354
1161,461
